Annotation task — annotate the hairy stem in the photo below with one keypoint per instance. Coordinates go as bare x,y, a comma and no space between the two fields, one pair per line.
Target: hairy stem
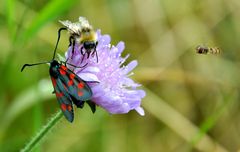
43,132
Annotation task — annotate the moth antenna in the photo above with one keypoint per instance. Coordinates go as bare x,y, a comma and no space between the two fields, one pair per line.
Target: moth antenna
25,65
59,35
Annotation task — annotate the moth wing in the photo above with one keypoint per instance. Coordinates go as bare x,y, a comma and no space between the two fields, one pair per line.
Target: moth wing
63,98
77,88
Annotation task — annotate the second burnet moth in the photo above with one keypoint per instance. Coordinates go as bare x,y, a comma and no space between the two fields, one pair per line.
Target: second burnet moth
68,87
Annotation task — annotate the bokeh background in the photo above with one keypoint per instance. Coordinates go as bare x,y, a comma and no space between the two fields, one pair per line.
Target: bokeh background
192,101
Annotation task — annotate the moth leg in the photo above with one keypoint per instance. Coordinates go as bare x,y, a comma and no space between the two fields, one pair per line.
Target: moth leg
92,105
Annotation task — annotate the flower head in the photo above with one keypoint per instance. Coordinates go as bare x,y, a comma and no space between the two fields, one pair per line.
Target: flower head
115,92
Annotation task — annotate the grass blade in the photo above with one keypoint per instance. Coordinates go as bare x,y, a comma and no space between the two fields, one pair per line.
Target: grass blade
51,11
10,5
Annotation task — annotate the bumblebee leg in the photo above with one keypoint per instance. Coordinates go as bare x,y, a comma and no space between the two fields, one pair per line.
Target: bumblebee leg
83,53
95,49
95,52
81,50
70,41
73,46
97,56
83,56
88,54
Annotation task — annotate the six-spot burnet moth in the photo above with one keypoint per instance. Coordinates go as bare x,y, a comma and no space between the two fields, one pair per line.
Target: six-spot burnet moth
68,87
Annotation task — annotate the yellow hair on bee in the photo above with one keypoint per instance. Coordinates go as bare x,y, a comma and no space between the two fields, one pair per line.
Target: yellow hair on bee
88,36
82,33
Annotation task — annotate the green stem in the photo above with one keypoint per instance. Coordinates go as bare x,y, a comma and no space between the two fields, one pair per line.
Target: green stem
43,132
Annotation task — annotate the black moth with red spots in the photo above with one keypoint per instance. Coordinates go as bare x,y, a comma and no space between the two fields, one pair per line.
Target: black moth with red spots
68,87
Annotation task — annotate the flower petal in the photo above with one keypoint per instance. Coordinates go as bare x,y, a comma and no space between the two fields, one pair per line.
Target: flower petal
120,47
131,66
115,92
88,77
140,111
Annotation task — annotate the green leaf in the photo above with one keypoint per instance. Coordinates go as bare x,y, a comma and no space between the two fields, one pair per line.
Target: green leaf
43,132
25,100
51,11
10,5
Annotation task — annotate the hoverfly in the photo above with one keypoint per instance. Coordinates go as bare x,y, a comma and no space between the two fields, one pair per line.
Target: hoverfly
201,49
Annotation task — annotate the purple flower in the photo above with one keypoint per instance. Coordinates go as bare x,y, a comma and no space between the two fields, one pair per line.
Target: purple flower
115,92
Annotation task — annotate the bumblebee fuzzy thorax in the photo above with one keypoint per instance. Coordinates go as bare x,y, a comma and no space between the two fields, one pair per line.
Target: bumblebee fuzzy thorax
87,34
83,35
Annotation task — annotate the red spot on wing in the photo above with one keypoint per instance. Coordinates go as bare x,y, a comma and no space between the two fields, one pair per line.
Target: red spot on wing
71,76
59,95
70,82
63,107
80,85
63,67
69,108
62,71
53,81
80,93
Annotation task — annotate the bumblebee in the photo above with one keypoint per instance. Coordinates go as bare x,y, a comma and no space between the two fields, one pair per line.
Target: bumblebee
201,49
83,34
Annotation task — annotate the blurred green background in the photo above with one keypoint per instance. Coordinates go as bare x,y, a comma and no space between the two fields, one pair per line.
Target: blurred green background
192,101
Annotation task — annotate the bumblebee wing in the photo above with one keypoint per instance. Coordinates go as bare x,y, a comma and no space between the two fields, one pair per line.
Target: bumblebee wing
77,88
63,98
73,28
